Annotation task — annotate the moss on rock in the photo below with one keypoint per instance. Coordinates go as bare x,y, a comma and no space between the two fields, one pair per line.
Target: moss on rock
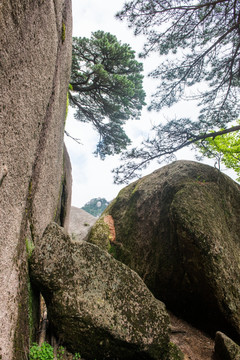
100,235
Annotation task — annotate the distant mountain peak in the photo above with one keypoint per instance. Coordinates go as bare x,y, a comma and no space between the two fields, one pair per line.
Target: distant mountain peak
96,206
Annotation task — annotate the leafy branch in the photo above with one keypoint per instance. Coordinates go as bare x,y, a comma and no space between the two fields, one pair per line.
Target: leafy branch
162,146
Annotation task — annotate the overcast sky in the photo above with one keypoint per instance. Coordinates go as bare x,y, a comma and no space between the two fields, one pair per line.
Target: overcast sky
91,176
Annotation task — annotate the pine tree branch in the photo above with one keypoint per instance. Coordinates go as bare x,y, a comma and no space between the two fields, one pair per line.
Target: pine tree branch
127,171
73,138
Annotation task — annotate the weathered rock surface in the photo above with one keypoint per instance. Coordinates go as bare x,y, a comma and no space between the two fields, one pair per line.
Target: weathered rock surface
225,348
35,55
97,306
179,229
80,223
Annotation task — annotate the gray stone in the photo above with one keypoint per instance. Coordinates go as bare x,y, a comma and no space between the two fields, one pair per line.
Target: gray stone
178,228
97,306
80,223
226,348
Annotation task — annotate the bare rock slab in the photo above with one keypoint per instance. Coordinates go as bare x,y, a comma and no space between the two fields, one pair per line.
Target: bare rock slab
97,305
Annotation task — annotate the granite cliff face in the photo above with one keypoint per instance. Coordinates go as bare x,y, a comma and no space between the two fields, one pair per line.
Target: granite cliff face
178,228
35,55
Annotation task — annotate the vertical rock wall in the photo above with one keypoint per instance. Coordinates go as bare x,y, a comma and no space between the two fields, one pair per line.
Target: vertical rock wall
35,61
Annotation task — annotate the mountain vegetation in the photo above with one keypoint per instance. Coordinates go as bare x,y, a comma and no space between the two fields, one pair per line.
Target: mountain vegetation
96,206
199,47
106,88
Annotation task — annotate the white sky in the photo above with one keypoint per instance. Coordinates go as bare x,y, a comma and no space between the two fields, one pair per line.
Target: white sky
92,177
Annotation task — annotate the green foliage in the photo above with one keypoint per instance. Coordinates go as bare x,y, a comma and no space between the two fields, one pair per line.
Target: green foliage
29,247
106,89
225,149
43,352
76,356
96,206
60,353
198,44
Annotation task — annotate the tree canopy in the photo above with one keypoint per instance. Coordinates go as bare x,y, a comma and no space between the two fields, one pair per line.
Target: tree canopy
199,47
106,88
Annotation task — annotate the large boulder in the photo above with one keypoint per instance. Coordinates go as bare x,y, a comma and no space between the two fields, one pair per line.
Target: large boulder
35,56
97,305
179,229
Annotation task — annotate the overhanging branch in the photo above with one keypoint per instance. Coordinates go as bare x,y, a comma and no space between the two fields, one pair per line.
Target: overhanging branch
128,170
211,134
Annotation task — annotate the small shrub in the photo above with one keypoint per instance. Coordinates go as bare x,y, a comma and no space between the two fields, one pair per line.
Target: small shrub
60,353
76,356
43,352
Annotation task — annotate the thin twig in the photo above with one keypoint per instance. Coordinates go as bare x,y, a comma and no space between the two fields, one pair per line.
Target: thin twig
75,139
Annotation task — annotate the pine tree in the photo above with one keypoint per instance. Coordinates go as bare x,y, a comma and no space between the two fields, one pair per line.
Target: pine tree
106,88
